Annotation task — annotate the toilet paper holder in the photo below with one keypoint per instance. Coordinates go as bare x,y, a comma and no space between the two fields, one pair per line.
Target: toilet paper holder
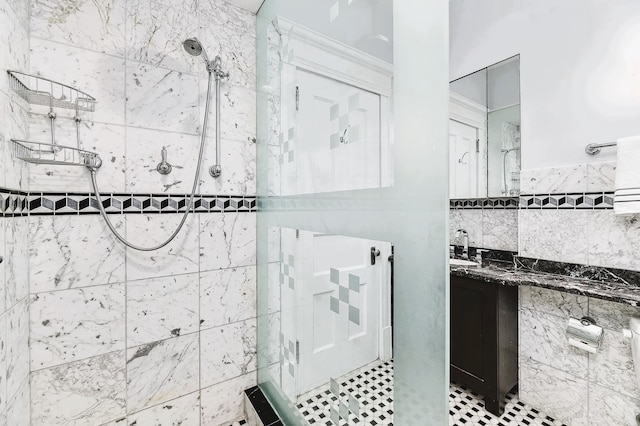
585,334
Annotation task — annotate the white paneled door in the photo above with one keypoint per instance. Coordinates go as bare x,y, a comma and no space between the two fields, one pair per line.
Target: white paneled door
463,159
338,298
337,136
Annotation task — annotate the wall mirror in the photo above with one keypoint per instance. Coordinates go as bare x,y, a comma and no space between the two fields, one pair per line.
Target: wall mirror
484,132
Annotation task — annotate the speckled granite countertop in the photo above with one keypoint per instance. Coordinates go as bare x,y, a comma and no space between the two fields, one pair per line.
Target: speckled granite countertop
615,285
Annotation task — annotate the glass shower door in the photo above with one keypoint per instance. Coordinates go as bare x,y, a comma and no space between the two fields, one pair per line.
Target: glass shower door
340,179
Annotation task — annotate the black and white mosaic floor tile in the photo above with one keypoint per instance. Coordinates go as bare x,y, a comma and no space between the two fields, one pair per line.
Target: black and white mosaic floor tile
373,390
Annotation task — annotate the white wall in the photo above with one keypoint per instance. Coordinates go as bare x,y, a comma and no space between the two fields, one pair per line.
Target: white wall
580,69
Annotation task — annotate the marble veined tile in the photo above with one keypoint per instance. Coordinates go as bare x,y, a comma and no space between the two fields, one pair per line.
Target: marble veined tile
556,393
237,111
469,220
161,371
16,126
144,152
74,251
611,315
223,402
542,338
92,25
19,407
559,303
601,176
156,30
3,266
227,352
223,29
183,411
107,140
238,161
554,180
227,295
17,349
101,76
14,37
227,240
162,99
608,407
614,240
16,255
612,366
179,257
559,235
3,358
500,229
160,308
269,345
4,145
73,324
21,8
87,392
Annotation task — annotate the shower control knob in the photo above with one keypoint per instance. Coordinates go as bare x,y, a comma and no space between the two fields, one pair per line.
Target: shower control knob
215,171
164,168
1,259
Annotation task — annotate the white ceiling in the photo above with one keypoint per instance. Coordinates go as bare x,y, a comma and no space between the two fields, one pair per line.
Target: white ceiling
250,5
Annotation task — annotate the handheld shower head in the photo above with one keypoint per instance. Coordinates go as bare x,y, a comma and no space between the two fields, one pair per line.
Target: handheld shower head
194,48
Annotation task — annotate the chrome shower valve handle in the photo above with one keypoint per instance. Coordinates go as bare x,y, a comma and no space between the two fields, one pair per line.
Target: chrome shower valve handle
163,167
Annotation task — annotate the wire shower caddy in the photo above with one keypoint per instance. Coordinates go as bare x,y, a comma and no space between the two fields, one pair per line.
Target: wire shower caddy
38,90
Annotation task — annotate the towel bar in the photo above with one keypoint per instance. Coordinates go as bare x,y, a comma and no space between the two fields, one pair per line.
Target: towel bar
594,148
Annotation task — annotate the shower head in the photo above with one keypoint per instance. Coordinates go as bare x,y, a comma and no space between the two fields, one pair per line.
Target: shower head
194,48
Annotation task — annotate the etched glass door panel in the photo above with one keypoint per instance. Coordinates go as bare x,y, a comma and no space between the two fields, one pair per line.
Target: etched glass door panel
352,148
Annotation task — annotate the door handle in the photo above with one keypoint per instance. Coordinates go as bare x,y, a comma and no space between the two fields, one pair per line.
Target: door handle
1,259
374,253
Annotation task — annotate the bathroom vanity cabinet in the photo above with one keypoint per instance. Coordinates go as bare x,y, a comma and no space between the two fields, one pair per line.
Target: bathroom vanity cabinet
484,339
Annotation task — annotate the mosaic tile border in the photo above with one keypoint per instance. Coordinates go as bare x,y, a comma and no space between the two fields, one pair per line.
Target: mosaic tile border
15,203
572,201
484,203
568,201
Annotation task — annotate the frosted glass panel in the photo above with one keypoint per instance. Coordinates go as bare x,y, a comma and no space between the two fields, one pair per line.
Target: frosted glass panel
352,161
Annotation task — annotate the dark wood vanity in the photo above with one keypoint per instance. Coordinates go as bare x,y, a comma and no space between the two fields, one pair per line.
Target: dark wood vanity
484,339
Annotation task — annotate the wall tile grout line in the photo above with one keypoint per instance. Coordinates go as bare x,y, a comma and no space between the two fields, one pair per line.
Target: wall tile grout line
123,45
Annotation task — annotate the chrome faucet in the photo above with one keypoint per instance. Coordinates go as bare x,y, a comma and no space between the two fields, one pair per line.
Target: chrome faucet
465,242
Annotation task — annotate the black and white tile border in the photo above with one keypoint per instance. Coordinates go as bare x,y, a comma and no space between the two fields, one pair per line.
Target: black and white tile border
484,203
593,201
573,201
17,203
13,203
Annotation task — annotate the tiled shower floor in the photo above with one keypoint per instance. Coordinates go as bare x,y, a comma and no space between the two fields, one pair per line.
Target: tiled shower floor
373,390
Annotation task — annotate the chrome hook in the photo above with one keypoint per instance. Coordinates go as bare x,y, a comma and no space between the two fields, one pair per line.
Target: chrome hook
163,167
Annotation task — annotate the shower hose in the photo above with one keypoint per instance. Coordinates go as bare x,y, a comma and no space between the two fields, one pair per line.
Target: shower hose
196,179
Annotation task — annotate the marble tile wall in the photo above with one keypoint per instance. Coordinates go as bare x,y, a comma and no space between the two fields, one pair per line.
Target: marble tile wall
491,228
567,383
119,336
14,284
586,236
